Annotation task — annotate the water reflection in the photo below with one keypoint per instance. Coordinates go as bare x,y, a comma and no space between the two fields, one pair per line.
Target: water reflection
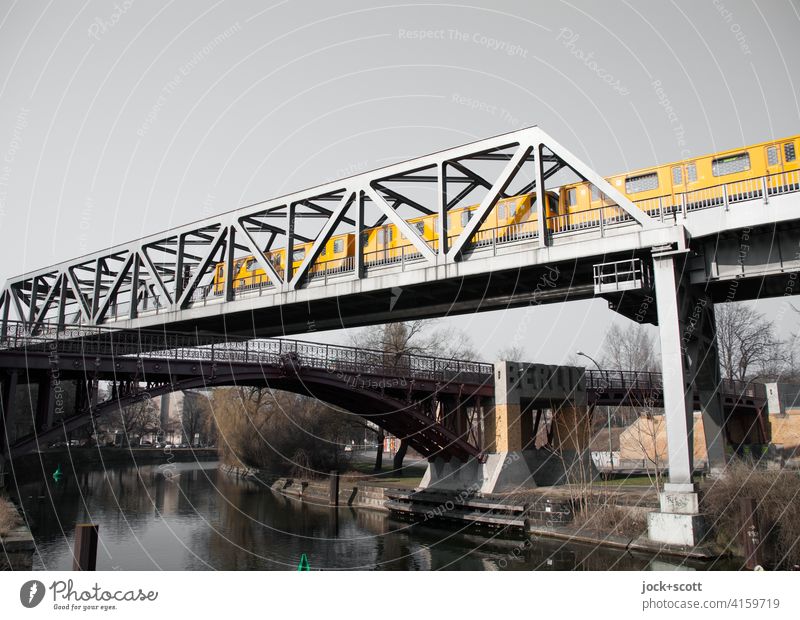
191,516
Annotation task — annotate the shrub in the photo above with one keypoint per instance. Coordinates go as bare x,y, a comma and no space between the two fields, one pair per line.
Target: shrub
777,495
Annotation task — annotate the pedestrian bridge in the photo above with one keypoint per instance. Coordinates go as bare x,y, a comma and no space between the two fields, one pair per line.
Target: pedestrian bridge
443,407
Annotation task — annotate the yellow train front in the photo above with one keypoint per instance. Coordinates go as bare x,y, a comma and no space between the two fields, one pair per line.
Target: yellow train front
685,185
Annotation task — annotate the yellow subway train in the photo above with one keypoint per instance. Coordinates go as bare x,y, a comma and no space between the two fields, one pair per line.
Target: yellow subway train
691,183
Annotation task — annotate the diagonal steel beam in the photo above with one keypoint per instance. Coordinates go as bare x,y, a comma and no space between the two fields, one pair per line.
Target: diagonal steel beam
580,168
187,291
402,226
253,248
148,262
489,201
322,238
113,289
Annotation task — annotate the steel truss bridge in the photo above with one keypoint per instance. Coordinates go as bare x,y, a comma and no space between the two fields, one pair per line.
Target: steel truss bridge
664,261
438,404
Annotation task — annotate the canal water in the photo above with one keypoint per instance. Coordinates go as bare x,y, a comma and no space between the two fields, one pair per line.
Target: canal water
194,517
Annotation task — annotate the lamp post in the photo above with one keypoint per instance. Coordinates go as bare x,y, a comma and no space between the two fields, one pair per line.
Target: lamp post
608,411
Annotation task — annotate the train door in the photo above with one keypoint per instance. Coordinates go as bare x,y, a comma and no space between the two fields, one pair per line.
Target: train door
773,166
684,181
773,159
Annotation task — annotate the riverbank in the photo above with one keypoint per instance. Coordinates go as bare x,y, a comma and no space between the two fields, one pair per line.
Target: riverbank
16,540
615,518
33,465
370,494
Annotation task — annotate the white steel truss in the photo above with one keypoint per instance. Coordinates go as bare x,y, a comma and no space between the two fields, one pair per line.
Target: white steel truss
171,271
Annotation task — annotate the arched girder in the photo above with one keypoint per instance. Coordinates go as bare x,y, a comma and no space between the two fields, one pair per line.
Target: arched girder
400,418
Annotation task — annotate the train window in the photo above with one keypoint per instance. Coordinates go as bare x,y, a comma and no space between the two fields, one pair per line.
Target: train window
338,246
691,172
595,193
641,183
466,215
381,237
389,234
501,211
572,197
788,152
299,254
730,165
276,260
677,175
324,250
772,155
420,227
512,209
249,264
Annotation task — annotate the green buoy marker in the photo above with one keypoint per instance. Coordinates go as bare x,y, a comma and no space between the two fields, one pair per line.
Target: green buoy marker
304,565
58,474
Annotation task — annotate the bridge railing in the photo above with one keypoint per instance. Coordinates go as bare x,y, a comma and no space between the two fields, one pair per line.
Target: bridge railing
182,346
649,383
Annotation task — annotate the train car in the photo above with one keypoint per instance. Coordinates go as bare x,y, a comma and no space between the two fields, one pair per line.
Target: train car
512,218
689,184
697,181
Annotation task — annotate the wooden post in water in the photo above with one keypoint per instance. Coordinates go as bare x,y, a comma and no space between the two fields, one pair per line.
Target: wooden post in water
333,493
751,534
85,553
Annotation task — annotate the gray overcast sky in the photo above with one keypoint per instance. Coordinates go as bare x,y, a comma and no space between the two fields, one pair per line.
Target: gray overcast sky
121,119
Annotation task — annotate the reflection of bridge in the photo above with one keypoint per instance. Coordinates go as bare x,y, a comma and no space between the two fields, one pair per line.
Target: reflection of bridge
665,260
440,405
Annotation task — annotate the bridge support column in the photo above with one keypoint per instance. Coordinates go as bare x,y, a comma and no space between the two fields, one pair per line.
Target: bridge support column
678,521
8,391
702,347
45,404
571,437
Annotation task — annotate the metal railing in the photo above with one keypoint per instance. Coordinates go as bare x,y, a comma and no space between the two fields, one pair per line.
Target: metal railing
189,347
652,383
339,359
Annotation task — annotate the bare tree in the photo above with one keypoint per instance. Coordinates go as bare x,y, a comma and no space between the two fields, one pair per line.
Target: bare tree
195,416
421,337
631,348
747,345
136,419
513,353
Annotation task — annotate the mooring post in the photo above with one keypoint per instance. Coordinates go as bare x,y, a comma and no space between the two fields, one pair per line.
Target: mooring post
750,532
85,553
334,488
